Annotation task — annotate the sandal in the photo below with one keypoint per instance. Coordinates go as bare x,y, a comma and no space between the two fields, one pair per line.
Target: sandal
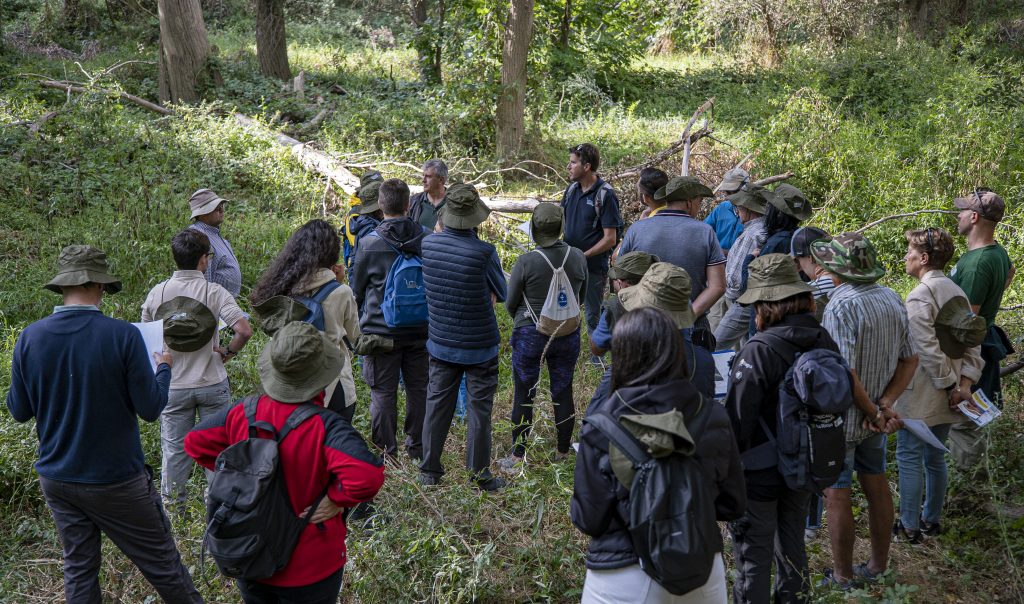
861,572
829,581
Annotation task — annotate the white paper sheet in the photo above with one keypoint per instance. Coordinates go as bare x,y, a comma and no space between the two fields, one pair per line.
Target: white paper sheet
722,360
153,336
525,227
919,429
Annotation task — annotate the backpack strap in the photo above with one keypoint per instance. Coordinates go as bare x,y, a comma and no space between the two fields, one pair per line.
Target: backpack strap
296,417
249,404
621,437
602,192
324,291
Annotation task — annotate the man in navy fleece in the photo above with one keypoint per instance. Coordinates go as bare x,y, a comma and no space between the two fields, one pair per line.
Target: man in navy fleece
85,377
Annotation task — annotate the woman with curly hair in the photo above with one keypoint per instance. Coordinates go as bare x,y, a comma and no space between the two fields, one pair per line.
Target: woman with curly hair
309,263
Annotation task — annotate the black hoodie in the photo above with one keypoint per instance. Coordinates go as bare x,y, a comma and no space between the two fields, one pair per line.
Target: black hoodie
374,260
599,499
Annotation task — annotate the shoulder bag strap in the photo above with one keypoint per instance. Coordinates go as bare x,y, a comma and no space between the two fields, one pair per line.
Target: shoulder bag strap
621,437
250,403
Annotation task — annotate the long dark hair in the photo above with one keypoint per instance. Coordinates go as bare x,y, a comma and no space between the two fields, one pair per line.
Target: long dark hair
314,246
776,220
647,348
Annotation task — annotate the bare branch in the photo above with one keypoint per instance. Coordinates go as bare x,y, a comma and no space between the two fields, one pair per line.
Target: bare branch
1011,368
69,88
905,215
745,159
672,149
34,126
773,179
1012,308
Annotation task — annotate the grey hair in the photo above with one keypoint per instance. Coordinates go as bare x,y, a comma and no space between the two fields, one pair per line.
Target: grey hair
439,167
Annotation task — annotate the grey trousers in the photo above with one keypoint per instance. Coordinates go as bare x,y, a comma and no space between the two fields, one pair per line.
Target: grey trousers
131,516
381,372
771,530
177,419
442,393
732,330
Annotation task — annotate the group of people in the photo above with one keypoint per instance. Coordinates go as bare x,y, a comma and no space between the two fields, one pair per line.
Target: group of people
405,294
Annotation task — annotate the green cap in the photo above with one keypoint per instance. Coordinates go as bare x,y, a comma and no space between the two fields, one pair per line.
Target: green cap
791,200
298,363
188,324
546,224
463,208
277,311
631,266
957,327
849,255
370,176
771,278
368,195
81,264
682,188
753,198
666,287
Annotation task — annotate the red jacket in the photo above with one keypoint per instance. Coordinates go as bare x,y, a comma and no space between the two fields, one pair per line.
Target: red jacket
322,448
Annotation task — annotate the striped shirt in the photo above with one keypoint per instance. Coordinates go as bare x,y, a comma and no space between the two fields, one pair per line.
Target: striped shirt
223,268
869,323
744,245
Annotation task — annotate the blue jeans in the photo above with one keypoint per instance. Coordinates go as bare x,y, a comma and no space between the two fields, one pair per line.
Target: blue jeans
917,460
864,457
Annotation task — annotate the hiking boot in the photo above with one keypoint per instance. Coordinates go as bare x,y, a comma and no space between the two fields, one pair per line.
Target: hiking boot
901,534
428,480
491,484
510,465
931,529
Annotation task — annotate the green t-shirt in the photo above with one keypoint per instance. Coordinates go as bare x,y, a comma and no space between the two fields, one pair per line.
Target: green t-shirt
982,274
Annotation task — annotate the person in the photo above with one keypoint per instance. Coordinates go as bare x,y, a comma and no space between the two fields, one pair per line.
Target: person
207,218
352,217
463,280
772,528
527,290
946,372
425,206
366,217
648,377
592,223
723,219
651,179
84,377
200,382
984,272
625,271
407,356
750,204
800,250
666,287
869,324
701,257
322,459
309,262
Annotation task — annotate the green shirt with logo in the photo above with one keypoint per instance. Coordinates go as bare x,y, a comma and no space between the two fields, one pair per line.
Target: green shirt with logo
982,274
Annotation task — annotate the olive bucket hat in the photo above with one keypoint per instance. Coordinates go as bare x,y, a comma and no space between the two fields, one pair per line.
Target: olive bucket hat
369,198
370,176
849,255
753,198
298,362
957,327
632,266
546,224
792,201
666,287
682,188
81,264
772,277
463,208
277,311
188,323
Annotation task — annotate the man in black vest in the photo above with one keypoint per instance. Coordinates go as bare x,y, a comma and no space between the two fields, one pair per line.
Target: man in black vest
464,280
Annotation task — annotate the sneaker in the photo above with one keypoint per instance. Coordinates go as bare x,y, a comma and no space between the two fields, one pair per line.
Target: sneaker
829,581
901,534
510,465
863,574
931,529
428,480
491,484
810,535
597,361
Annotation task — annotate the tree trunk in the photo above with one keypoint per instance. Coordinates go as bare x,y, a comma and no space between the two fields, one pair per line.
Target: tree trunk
271,47
427,41
917,17
512,98
184,49
563,27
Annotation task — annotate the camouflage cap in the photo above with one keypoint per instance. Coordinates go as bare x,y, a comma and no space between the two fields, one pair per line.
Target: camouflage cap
666,287
81,264
463,208
851,256
753,198
682,188
771,278
632,266
733,180
791,200
370,176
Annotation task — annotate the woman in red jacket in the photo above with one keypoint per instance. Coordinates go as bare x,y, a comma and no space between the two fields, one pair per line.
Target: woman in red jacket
323,452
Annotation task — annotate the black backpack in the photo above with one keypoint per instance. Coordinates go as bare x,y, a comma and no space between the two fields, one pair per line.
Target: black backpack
671,509
809,446
251,528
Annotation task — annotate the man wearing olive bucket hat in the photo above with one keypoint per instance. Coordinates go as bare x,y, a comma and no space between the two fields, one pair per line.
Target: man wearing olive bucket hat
323,453
85,378
190,307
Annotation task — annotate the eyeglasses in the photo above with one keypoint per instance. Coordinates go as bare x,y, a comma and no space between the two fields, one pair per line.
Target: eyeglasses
210,254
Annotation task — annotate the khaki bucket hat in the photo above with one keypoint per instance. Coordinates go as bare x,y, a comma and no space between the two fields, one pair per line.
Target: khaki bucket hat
773,277
369,199
546,224
203,202
81,264
298,363
733,180
463,208
666,287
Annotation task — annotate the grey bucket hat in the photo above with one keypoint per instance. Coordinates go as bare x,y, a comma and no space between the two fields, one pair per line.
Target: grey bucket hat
203,202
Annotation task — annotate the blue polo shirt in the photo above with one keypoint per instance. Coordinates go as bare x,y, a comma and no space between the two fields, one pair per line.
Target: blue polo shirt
726,225
581,218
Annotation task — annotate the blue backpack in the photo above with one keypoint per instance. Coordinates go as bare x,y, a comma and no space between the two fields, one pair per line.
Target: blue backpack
315,304
404,303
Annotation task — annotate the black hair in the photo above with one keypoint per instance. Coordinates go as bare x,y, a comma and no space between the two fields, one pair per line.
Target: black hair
652,179
188,247
776,220
647,348
588,154
393,196
314,246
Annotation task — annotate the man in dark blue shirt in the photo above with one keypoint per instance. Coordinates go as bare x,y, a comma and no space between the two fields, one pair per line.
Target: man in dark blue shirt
592,223
85,377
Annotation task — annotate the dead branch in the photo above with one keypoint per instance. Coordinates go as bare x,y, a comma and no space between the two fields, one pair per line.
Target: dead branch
34,126
69,88
316,121
905,215
745,159
660,157
687,143
1011,368
513,168
1014,307
773,179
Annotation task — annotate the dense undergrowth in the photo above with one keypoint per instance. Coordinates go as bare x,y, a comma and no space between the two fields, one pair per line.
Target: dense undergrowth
876,128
